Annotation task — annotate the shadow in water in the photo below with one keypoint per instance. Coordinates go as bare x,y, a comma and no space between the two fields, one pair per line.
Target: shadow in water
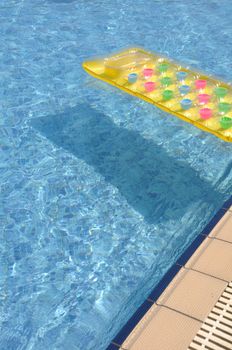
157,185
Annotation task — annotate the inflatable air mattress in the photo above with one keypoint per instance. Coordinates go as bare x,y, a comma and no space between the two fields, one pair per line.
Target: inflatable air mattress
192,96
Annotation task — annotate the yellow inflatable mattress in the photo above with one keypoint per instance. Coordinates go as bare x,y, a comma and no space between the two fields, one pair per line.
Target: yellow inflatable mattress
190,95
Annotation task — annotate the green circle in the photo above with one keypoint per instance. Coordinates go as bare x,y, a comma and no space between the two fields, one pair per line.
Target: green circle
167,95
221,91
166,81
163,67
224,107
226,122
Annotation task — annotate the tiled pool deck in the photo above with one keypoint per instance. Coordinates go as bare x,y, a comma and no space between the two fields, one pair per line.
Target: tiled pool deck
173,314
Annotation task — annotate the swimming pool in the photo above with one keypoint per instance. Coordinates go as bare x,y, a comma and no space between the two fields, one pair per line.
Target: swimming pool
98,197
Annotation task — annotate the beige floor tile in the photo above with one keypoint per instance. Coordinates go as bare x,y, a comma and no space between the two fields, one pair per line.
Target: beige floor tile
214,257
223,230
162,329
192,293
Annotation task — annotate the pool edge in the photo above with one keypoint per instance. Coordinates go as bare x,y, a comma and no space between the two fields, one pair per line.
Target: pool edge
119,339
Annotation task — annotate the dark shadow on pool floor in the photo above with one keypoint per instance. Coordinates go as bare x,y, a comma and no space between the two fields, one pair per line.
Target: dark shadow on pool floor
156,185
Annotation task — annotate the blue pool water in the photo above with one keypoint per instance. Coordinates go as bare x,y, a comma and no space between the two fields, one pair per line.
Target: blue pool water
98,197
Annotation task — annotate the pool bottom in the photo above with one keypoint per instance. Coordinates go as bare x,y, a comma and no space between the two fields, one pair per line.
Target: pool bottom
127,160
168,277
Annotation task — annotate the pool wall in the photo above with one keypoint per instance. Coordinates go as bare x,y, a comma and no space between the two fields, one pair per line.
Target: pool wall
168,277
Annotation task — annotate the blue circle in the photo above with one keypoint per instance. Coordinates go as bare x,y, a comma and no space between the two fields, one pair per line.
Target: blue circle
181,75
184,89
186,103
132,77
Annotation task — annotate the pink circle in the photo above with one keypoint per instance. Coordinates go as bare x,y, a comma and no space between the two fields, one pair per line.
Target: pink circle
150,86
203,98
148,72
206,113
200,84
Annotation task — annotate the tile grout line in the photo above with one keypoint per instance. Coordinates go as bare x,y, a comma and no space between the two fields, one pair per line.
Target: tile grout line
179,312
220,239
228,209
119,346
205,274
